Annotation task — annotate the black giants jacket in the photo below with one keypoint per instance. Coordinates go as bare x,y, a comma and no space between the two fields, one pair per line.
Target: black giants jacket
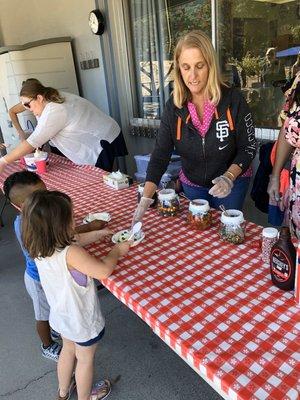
229,140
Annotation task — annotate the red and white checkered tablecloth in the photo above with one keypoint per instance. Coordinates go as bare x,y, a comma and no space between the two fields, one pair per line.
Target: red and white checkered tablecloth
212,302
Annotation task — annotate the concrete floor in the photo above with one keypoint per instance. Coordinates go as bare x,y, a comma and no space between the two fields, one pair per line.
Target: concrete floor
130,353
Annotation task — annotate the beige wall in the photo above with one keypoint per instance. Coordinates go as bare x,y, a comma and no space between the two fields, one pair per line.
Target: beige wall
26,21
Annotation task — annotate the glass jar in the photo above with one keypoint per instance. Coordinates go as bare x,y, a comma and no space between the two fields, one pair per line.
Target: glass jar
168,203
232,227
199,214
140,190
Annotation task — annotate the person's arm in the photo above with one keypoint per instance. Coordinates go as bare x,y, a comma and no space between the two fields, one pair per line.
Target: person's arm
53,120
95,225
283,152
13,111
149,189
81,260
245,148
158,162
164,146
21,150
83,239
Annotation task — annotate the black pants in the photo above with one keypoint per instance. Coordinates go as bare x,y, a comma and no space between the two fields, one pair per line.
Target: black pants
109,151
55,150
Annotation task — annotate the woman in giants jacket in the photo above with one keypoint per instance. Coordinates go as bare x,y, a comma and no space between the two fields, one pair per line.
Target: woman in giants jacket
210,126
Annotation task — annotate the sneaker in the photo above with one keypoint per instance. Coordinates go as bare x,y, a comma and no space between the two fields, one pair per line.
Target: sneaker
71,390
52,351
54,335
101,390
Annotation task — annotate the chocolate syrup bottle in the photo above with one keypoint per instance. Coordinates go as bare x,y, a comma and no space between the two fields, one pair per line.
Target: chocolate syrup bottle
283,260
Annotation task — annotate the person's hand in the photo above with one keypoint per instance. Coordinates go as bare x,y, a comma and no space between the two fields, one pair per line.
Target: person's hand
273,188
142,207
2,146
123,248
96,225
222,187
102,234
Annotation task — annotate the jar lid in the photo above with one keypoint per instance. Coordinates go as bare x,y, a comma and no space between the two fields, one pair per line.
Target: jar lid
199,205
166,194
270,232
234,217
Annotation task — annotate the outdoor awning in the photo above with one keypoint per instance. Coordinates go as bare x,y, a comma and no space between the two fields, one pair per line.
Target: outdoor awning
292,51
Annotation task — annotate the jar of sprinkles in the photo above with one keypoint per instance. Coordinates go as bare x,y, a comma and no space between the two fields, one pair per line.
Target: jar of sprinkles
168,203
269,238
232,227
199,214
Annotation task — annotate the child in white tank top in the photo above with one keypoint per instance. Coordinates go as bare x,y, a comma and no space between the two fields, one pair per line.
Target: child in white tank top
74,307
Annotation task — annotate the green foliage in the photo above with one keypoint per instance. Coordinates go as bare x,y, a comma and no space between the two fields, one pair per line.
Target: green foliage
296,32
251,65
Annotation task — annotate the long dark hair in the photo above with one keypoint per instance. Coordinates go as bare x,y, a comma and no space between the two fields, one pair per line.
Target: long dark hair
47,223
32,88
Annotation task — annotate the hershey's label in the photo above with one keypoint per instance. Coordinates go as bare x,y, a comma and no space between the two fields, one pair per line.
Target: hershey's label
281,266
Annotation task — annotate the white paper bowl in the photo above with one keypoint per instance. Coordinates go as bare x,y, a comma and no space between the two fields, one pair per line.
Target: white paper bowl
123,235
102,216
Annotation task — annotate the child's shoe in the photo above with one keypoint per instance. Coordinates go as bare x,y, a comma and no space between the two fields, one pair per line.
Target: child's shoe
71,390
52,351
101,390
55,336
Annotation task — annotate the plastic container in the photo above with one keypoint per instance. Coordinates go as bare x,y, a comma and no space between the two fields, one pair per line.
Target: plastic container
30,162
140,190
269,238
283,261
168,203
164,182
173,169
232,227
199,214
41,166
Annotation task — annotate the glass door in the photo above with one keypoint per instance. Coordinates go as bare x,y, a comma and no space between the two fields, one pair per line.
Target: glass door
259,47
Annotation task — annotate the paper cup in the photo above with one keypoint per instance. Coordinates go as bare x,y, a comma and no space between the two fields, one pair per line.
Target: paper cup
41,166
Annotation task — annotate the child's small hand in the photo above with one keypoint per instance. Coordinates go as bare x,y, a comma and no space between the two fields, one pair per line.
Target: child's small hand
96,225
123,247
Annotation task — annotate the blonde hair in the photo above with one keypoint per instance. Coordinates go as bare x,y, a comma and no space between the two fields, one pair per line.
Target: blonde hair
197,40
32,88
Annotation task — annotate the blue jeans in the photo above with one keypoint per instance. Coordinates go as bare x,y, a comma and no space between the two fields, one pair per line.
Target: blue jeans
234,200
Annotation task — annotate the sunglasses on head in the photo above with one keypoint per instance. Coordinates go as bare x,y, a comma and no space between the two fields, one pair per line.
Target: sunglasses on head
27,104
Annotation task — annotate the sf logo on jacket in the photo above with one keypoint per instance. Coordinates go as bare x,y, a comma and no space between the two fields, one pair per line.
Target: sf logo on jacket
222,132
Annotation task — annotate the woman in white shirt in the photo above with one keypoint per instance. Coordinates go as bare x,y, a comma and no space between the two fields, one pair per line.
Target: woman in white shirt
81,131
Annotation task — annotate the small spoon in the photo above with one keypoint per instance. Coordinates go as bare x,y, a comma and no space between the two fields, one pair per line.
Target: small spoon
222,208
135,229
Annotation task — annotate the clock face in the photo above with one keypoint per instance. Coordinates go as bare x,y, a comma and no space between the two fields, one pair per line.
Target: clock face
96,22
93,22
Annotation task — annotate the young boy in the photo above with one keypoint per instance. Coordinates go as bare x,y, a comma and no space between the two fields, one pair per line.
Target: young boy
17,187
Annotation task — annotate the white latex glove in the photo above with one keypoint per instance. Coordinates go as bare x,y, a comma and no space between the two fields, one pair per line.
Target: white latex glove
273,188
142,207
222,187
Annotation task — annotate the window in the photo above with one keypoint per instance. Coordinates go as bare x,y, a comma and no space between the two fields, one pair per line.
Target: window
258,42
156,26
